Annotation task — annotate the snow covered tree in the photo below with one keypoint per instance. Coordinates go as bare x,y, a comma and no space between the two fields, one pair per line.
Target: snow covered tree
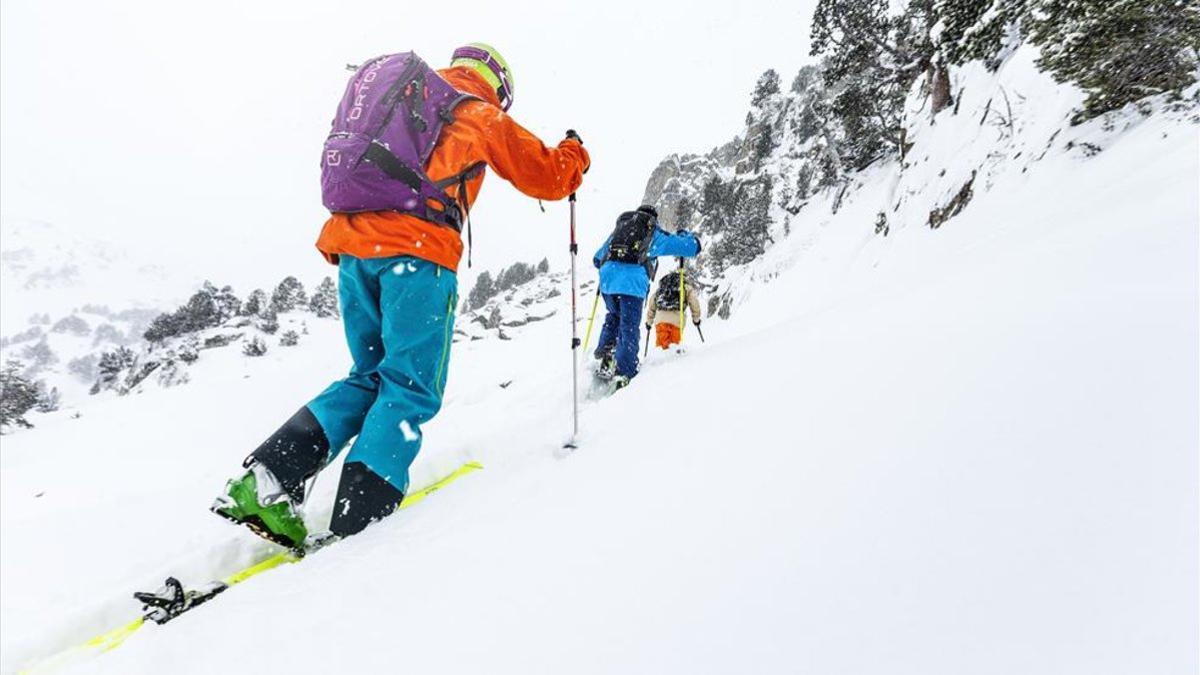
228,304
481,292
18,396
289,339
324,301
255,303
913,35
1118,51
766,87
860,62
872,59
514,275
544,266
980,30
207,308
288,295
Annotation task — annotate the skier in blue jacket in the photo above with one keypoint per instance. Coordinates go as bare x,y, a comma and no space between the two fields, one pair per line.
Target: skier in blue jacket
627,263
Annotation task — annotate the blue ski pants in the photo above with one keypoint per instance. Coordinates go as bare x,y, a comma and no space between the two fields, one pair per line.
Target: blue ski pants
621,331
398,314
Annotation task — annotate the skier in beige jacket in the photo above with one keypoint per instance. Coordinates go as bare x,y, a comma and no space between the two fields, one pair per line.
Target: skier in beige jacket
663,311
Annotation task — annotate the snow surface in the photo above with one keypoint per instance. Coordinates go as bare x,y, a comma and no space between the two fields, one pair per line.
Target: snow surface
971,449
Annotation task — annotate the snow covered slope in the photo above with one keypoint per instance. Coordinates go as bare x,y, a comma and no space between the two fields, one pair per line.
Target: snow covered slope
969,449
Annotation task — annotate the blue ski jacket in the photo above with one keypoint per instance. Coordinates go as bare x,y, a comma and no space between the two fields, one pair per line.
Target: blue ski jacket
618,278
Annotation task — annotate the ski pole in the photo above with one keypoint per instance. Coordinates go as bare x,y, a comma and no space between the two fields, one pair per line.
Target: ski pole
646,351
681,323
574,338
587,336
697,325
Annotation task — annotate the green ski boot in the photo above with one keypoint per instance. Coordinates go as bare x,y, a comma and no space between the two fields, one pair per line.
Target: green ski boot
257,501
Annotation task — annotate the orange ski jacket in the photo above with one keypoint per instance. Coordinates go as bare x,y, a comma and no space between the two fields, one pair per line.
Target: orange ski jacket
481,132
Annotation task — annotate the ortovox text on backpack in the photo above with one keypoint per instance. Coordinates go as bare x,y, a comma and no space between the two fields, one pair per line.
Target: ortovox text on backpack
387,125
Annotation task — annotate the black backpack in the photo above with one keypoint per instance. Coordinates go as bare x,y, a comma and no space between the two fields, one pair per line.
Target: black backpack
631,239
668,296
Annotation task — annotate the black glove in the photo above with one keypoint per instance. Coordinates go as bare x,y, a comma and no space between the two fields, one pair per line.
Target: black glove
648,327
574,136
696,323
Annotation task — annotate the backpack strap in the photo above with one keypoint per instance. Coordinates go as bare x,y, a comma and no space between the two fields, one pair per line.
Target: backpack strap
461,179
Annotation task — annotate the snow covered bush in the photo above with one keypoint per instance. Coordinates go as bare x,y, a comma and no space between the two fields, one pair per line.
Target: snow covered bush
111,366
48,398
289,339
268,322
254,347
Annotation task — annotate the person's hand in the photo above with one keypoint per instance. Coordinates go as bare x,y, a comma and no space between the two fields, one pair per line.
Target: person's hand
572,135
648,327
696,323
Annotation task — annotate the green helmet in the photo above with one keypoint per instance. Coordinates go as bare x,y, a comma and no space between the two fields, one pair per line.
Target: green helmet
485,60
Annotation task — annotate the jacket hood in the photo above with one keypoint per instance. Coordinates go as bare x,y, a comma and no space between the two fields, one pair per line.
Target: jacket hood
468,81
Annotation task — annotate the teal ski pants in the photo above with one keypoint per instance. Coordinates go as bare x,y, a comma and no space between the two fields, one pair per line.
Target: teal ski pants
398,314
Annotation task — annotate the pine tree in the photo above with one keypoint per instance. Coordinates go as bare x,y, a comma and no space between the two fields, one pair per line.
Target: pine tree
18,396
1118,51
514,275
207,308
544,266
860,62
324,301
766,87
255,303
289,339
228,304
288,295
481,292
980,30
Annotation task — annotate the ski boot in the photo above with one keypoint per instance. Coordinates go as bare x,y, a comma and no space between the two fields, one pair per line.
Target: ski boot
257,501
620,382
608,366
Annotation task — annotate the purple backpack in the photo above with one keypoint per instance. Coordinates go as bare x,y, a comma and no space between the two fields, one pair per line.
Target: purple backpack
386,126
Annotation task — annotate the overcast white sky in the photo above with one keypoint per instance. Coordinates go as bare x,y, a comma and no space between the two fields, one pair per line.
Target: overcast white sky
192,131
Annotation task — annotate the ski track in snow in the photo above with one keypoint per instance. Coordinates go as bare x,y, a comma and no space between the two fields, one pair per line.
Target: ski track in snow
964,450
